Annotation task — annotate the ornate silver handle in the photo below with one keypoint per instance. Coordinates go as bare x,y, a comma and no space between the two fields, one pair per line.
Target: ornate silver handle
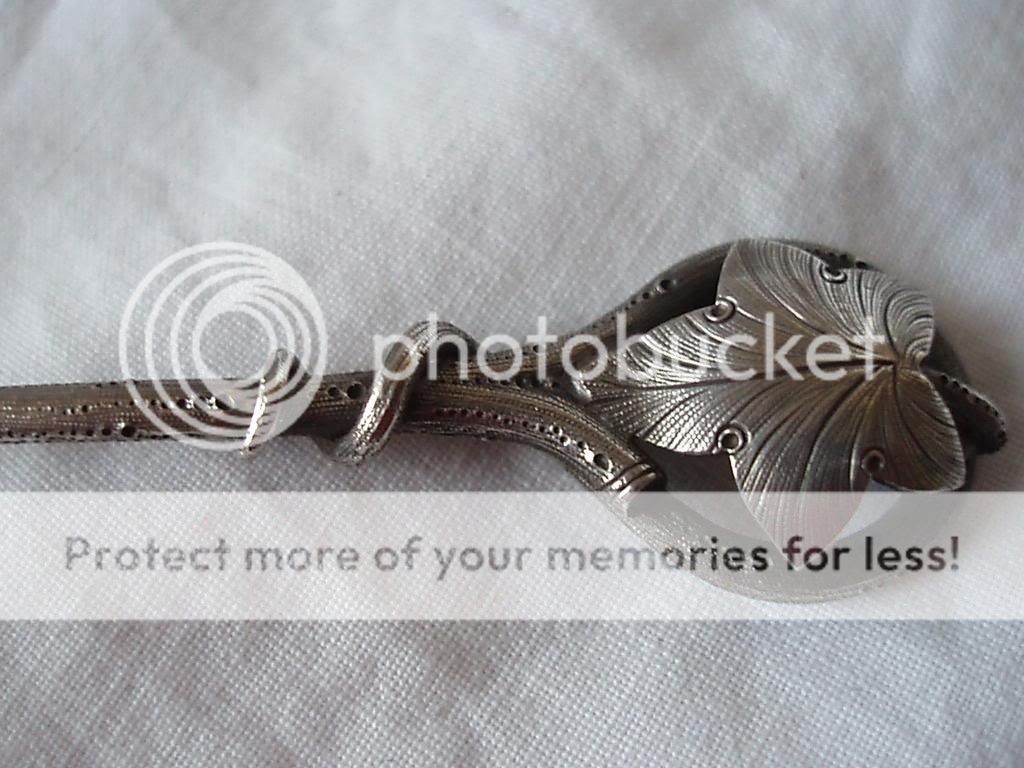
598,429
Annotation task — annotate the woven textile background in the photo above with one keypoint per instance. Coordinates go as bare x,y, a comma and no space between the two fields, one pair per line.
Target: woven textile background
492,161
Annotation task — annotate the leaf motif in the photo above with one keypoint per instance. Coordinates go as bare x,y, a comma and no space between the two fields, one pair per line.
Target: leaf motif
787,428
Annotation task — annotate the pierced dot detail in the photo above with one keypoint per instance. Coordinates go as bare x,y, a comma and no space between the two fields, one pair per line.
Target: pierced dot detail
831,274
721,311
731,439
873,462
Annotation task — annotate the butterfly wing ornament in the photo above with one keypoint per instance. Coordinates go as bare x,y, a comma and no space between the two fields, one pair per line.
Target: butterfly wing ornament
810,378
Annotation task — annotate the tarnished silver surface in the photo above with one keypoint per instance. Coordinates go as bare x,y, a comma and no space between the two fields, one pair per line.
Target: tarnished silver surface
914,426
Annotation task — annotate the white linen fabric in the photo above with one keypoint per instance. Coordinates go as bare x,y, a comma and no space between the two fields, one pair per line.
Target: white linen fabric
492,161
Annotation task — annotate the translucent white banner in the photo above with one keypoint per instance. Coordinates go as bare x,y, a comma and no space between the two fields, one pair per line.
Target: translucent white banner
443,556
